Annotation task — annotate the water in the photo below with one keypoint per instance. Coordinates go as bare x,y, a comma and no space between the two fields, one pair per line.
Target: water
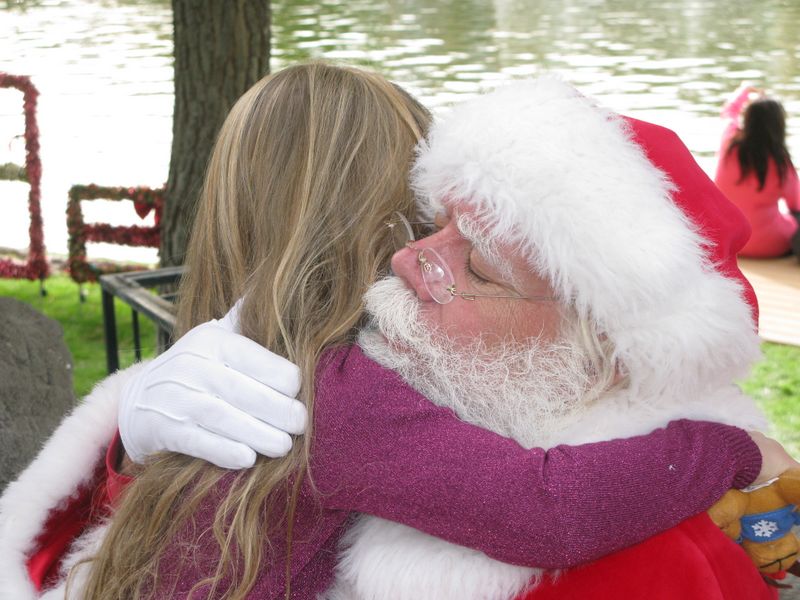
104,70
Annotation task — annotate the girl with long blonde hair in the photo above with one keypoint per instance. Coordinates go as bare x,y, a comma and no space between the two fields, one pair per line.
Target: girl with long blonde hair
309,165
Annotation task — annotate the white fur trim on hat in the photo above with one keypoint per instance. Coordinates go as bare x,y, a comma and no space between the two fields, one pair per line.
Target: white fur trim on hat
551,171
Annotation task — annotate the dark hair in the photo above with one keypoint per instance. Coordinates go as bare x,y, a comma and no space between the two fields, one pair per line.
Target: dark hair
763,136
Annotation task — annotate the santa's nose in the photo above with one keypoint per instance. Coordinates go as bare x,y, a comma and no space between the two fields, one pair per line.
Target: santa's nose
405,264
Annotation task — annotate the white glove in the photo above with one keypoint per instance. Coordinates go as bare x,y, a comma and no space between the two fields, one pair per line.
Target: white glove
215,395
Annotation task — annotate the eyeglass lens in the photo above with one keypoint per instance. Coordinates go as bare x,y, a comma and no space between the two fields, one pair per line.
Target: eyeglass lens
401,232
436,276
404,231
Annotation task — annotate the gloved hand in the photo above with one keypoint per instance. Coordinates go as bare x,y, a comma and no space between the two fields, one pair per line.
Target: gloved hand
215,395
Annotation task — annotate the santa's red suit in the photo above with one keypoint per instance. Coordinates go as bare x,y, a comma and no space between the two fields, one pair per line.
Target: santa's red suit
693,560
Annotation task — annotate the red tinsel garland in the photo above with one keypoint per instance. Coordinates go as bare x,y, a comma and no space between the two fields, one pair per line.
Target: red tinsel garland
144,200
36,267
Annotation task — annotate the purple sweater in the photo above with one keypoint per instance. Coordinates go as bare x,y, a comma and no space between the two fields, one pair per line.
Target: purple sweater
381,448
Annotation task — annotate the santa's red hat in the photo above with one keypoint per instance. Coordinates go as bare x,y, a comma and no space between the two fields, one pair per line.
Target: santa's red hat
650,264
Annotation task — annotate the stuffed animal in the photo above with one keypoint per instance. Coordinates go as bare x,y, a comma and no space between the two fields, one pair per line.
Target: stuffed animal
760,518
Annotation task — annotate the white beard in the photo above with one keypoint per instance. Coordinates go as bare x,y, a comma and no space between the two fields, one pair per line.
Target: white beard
521,391
535,394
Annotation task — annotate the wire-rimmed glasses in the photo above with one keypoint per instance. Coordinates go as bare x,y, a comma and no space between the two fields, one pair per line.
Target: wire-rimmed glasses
403,230
436,275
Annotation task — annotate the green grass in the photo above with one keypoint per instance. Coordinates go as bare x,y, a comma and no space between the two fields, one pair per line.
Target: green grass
83,325
775,382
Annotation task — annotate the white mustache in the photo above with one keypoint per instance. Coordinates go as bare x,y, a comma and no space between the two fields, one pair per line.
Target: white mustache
523,391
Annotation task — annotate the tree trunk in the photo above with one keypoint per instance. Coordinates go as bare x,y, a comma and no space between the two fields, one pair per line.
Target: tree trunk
221,49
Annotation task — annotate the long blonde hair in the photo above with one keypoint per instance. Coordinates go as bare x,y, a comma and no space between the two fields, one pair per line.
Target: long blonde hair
308,166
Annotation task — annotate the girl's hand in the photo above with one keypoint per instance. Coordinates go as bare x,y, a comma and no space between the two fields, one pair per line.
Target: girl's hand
774,458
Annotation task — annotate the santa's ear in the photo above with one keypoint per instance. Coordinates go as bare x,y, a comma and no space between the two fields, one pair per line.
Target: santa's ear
789,484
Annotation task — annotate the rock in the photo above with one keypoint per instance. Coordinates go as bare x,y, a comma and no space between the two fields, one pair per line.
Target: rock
35,384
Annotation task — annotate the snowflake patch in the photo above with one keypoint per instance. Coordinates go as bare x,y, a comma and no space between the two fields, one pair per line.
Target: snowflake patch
764,528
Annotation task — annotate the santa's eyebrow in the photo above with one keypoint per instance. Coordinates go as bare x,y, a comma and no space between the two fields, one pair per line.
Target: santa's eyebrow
481,239
475,233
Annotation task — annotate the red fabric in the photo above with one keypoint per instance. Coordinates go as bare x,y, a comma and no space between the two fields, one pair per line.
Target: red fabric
772,230
717,219
83,509
115,481
61,528
694,560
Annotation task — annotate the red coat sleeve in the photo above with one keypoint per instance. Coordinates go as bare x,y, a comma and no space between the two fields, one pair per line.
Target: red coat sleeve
84,509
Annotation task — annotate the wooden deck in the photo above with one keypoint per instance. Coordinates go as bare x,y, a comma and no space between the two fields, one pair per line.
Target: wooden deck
777,285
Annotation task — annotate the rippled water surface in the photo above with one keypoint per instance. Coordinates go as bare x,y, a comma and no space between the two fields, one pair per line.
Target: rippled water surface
104,70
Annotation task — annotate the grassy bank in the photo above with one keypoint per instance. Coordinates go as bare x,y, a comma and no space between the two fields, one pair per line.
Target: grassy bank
775,382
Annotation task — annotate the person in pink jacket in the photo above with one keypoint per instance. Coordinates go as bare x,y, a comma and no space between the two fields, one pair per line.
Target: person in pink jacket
755,171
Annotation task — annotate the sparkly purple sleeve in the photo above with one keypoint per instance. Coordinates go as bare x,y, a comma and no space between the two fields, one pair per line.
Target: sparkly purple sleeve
381,448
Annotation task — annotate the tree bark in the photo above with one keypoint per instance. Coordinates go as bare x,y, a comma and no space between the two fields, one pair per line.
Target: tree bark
221,49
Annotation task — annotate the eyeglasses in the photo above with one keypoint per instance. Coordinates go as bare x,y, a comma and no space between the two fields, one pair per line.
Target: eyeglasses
436,275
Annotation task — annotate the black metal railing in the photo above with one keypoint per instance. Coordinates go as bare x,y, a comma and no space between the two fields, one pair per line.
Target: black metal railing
134,288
